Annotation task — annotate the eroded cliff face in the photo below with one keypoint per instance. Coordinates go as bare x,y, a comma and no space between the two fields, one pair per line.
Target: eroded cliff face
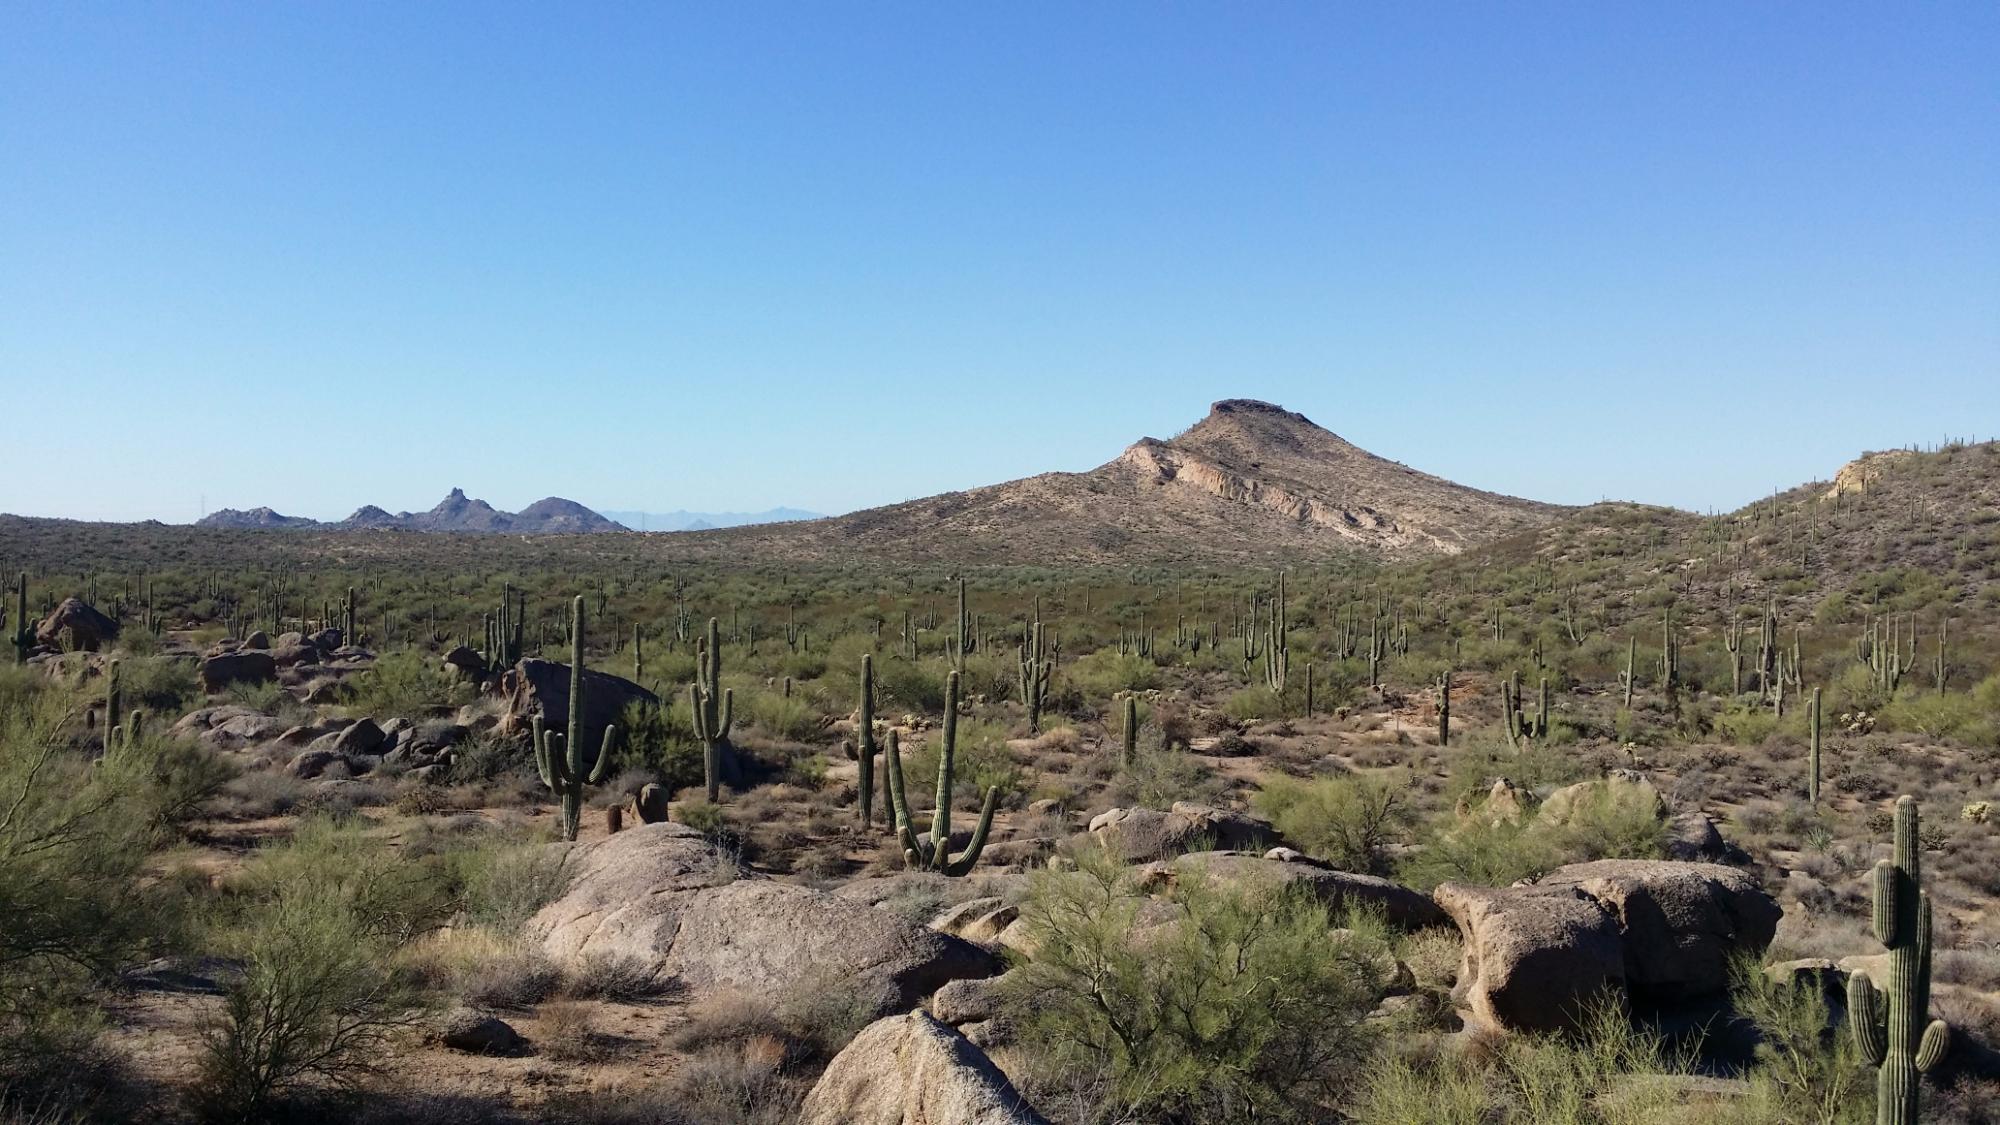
1857,475
1170,467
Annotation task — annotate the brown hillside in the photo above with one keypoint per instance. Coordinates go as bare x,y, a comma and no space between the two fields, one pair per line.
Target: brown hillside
1249,481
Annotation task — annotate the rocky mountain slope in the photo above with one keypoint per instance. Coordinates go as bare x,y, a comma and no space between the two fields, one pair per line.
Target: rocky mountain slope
456,512
1249,481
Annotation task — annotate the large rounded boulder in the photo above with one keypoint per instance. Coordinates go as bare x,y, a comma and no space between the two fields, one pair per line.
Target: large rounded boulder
1536,958
1139,835
913,1070
1681,924
664,895
76,627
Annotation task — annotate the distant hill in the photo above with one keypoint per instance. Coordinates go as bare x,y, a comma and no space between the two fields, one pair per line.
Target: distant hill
707,521
1251,481
455,513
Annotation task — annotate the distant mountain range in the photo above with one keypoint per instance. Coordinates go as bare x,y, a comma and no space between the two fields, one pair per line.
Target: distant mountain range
706,521
456,512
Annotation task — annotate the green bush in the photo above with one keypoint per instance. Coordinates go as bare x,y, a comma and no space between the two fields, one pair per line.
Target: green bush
662,740
1099,675
405,683
1352,823
1254,703
1246,1008
791,719
317,922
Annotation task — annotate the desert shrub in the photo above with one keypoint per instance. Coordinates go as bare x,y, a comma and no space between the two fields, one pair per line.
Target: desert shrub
1352,823
268,698
606,976
790,718
1254,703
914,686
1746,724
316,923
1490,852
404,683
1952,715
980,759
502,886
257,794
1595,1077
169,779
1158,778
1609,823
484,757
1246,1008
661,739
161,685
72,906
1806,1064
517,978
1098,676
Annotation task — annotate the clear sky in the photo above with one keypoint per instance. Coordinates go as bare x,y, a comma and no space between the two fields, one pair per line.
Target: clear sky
830,255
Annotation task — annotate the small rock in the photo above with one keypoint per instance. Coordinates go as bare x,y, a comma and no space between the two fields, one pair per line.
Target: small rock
466,1030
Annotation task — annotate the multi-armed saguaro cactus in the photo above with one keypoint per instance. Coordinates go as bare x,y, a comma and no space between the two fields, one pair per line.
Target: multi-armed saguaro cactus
559,756
934,854
1036,669
1277,654
714,707
1898,1041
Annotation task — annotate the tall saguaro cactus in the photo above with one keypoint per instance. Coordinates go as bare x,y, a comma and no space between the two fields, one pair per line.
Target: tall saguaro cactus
24,633
864,744
559,756
934,854
1812,755
1898,1042
714,707
1036,669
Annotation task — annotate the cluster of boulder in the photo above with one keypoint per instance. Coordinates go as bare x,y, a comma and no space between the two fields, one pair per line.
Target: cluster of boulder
313,665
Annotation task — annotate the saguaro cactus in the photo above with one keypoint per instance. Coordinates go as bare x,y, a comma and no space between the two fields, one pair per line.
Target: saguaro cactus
934,854
1444,708
865,748
559,756
1130,748
1812,755
1898,1042
24,633
714,707
1036,669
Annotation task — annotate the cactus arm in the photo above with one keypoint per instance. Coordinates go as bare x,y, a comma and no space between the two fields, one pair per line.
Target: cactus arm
728,713
604,755
1864,1019
941,815
543,765
962,865
1883,915
1935,1044
898,803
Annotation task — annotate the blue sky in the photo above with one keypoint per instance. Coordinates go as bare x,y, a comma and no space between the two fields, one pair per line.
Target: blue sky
731,256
